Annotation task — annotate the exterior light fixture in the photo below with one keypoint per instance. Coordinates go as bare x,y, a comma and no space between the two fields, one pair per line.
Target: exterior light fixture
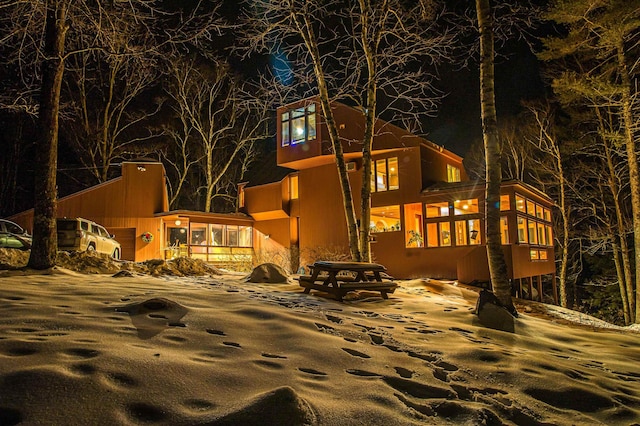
142,168
178,222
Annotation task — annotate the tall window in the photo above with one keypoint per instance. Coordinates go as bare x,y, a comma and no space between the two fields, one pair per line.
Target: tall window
453,173
299,125
504,230
467,232
293,187
414,235
384,176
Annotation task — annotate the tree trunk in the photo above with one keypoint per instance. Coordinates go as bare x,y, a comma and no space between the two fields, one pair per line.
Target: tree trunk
632,161
497,265
45,243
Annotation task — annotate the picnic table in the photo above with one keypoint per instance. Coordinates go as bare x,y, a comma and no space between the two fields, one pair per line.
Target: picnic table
339,278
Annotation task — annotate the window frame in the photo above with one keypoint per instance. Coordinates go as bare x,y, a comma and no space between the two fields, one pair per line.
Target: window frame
287,118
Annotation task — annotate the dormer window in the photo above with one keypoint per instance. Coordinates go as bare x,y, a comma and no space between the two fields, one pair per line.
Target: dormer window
299,125
453,174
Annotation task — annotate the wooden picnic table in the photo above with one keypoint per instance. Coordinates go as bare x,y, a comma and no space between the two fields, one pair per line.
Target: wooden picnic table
339,278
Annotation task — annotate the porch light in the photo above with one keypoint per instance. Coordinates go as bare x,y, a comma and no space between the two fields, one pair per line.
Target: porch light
142,168
178,222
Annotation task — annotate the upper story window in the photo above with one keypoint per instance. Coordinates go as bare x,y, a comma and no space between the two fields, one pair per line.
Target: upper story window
299,125
469,206
453,173
384,176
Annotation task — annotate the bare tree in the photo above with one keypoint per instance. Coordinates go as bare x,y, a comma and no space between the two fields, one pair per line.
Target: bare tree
35,33
374,54
219,123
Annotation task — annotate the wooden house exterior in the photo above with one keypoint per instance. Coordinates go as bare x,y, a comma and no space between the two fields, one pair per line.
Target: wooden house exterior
427,216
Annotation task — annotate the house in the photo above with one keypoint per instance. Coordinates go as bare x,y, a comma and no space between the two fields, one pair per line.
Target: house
135,208
426,215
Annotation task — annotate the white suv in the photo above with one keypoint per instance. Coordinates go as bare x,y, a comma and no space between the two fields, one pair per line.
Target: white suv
81,234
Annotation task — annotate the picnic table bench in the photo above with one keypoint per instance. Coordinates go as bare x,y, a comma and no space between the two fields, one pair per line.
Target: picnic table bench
339,278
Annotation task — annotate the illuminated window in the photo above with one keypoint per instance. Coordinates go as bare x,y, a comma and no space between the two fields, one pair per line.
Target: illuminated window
293,187
437,209
522,230
542,254
504,230
453,173
474,231
546,215
548,235
466,206
445,233
414,235
461,232
542,235
505,203
533,235
298,125
531,208
241,196
384,175
520,203
385,219
534,254
432,235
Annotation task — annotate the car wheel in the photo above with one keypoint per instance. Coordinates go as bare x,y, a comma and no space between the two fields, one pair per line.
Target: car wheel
116,254
91,247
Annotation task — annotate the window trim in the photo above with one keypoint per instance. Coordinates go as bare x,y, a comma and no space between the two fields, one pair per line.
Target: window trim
309,113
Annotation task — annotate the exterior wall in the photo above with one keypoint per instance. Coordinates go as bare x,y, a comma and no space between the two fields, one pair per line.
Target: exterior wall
266,202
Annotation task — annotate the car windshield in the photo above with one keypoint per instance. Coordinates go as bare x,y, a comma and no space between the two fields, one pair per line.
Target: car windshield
13,228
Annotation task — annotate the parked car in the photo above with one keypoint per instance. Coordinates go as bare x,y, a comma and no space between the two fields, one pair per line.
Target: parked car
14,241
85,235
13,228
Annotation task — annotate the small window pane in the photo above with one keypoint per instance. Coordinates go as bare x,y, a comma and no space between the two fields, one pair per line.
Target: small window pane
504,230
293,187
285,134
445,233
505,203
298,112
534,254
217,235
533,236
474,232
385,219
461,233
381,175
438,209
297,127
432,234
549,235
542,254
311,127
414,237
232,235
531,208
245,234
546,214
522,230
393,173
542,235
520,204
539,213
461,207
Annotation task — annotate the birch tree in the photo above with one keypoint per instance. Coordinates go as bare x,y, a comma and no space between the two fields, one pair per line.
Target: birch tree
359,53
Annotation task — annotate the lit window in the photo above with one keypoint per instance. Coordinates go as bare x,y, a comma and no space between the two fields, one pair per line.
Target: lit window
546,215
520,203
438,209
432,234
241,196
531,208
542,254
293,187
505,203
542,235
384,175
461,233
504,230
385,219
467,232
534,254
445,233
298,125
533,235
453,173
548,235
522,230
414,236
474,232
465,206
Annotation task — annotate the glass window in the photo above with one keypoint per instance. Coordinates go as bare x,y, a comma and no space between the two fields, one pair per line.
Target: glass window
198,234
177,236
445,233
438,209
393,173
217,235
461,232
546,214
474,231
414,236
539,210
381,175
504,230
241,196
522,230
542,254
533,235
385,219
232,236
461,207
531,208
534,254
548,235
505,203
520,203
453,173
542,235
245,234
298,125
384,175
432,234
293,187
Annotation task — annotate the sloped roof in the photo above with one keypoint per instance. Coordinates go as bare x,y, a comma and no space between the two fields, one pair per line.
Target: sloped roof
266,170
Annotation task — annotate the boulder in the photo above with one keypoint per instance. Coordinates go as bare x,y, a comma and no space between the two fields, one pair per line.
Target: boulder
268,273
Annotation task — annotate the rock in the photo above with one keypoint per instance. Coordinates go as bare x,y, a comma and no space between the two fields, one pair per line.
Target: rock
268,273
492,314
